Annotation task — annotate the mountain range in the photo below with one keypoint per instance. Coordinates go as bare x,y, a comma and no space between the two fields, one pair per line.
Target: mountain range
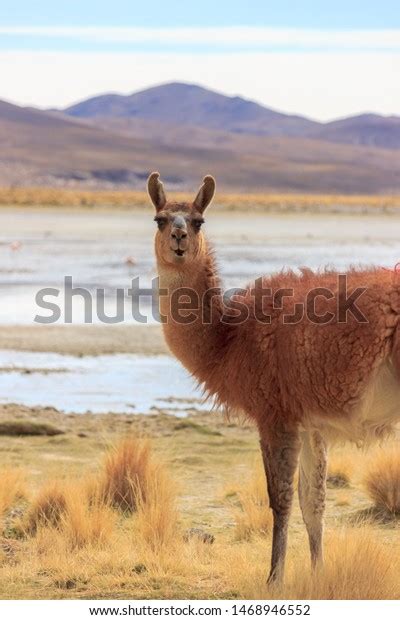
186,131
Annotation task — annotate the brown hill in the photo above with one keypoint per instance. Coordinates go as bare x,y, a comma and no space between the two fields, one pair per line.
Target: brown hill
365,130
50,149
189,104
47,147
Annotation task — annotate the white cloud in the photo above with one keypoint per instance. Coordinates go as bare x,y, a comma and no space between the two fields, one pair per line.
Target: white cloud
237,36
319,85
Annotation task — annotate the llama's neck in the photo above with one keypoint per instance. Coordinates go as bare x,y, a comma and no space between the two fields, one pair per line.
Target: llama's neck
195,334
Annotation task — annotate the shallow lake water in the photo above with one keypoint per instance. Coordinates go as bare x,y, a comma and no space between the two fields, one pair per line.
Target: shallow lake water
117,383
106,250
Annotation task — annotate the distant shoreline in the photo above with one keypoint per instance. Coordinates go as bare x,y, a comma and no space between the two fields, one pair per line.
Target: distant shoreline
280,203
81,340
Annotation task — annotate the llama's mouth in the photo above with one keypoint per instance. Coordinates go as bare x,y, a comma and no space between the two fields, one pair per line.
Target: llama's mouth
179,252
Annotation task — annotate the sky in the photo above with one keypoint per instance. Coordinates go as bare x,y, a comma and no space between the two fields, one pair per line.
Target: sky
323,60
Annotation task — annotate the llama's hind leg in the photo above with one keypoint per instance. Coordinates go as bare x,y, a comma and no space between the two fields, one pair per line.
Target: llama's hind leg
280,455
312,487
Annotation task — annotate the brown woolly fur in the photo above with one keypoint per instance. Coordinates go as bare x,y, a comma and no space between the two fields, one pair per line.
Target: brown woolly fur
311,357
383,481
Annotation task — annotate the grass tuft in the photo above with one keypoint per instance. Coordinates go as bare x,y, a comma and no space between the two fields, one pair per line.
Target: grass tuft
126,472
28,428
68,510
87,521
47,508
382,481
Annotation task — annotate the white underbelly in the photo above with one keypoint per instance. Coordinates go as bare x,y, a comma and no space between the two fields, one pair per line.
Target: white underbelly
375,416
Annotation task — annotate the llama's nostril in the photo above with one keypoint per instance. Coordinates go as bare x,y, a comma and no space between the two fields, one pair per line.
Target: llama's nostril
180,235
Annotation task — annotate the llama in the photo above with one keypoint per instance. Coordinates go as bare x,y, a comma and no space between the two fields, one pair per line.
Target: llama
307,361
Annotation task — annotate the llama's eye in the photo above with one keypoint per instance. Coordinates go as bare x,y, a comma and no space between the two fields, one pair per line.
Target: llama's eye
197,224
161,222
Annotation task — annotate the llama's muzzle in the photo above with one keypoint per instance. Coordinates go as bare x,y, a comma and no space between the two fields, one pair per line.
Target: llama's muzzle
179,235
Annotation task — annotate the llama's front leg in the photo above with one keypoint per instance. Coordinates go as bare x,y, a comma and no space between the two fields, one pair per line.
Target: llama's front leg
280,455
312,487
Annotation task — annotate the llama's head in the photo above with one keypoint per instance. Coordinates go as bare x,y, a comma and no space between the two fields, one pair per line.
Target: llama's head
179,239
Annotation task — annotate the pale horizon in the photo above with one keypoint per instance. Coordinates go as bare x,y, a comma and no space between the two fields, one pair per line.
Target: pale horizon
323,86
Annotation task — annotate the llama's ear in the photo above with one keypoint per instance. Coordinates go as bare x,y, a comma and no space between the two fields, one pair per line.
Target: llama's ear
205,194
156,191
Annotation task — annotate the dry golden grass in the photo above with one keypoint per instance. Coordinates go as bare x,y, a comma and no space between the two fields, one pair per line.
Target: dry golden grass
253,515
127,468
87,521
92,549
70,519
356,566
12,489
382,481
47,508
42,196
82,512
340,470
157,517
343,500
